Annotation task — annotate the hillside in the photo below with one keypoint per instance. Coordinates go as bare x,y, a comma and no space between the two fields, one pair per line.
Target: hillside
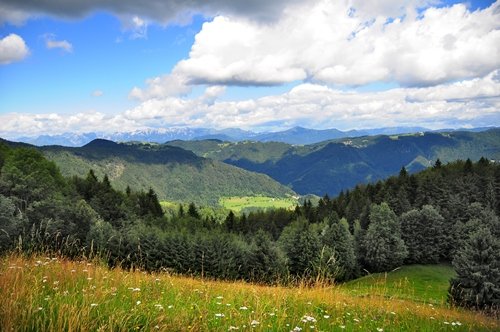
330,166
173,173
88,296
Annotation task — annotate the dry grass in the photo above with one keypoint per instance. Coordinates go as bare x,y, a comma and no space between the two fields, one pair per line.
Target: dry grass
51,294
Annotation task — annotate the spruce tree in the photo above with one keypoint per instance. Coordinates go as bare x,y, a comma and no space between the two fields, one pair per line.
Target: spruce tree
340,240
477,265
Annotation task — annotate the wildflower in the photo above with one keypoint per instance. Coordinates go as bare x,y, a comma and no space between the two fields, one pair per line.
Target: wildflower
296,329
446,323
159,306
220,297
356,320
458,323
326,316
219,315
170,306
228,304
379,329
232,328
342,326
243,308
93,305
254,323
393,313
307,318
40,308
138,302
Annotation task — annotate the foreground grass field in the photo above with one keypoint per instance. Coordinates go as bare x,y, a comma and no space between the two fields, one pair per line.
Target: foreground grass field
237,204
51,294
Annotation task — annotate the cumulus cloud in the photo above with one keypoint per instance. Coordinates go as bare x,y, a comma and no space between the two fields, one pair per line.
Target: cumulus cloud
12,49
332,42
474,102
158,87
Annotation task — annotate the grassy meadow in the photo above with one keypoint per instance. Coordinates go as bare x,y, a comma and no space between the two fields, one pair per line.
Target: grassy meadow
237,204
421,283
54,294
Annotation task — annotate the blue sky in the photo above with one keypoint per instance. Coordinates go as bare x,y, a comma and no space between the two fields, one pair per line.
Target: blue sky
116,66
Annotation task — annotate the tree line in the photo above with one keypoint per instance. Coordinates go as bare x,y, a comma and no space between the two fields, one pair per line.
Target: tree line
447,213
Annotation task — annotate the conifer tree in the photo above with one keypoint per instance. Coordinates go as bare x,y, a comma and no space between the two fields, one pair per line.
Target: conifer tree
340,240
477,265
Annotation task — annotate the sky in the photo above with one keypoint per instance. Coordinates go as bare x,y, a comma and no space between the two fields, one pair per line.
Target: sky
124,65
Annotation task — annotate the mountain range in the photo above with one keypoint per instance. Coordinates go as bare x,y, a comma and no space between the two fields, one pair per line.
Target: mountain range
335,165
296,135
202,171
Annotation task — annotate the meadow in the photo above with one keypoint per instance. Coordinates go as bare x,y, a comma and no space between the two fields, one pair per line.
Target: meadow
54,294
238,204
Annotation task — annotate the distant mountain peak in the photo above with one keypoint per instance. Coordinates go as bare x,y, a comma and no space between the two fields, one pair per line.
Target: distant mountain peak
100,142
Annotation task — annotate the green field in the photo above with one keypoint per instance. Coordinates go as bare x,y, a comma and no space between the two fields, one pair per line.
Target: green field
55,294
423,283
237,204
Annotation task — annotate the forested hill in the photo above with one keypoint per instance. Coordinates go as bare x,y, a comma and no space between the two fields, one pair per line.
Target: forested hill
173,173
331,166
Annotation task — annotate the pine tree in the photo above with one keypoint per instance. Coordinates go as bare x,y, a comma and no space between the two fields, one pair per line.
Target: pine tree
477,265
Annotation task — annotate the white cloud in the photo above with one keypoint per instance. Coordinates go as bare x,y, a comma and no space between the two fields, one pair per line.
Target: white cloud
474,102
12,49
136,26
51,43
332,43
97,93
158,87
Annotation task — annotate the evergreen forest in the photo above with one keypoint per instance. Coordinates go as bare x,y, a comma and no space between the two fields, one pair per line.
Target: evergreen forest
447,213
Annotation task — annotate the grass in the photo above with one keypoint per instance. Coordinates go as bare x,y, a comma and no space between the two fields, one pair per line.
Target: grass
53,294
421,283
237,204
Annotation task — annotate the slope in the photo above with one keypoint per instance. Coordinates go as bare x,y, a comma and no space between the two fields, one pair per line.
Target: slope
331,166
175,174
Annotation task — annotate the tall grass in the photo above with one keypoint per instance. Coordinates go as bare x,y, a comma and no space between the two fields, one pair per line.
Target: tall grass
53,294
